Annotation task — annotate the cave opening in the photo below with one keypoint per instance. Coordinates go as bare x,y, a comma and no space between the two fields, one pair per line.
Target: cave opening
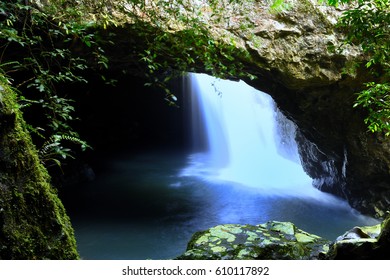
152,189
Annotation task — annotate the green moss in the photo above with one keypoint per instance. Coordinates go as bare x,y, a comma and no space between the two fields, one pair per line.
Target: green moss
222,233
272,240
194,239
33,221
284,228
243,254
218,249
253,236
203,239
372,231
305,238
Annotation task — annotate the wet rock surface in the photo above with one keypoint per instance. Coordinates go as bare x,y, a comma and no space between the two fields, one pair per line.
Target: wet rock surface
284,241
367,243
272,240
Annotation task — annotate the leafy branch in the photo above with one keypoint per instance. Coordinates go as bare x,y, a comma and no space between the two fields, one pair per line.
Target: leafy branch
376,100
366,24
38,49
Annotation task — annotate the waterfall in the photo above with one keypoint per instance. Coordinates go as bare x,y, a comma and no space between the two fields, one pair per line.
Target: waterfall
240,137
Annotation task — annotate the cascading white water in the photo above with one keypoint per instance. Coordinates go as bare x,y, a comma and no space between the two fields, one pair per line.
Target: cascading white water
245,144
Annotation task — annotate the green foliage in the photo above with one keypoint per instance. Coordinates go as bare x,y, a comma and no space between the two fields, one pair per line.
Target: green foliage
279,6
366,24
177,35
54,151
376,99
173,54
36,49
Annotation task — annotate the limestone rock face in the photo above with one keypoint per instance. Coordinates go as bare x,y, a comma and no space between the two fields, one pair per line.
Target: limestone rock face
272,240
292,44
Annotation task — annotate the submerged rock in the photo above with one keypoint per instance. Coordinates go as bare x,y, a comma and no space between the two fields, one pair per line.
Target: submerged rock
272,240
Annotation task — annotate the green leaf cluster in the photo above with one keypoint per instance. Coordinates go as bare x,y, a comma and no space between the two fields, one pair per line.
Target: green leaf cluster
366,24
376,99
40,52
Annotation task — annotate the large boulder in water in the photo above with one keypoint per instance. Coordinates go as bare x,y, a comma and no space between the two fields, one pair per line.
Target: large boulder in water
370,242
272,240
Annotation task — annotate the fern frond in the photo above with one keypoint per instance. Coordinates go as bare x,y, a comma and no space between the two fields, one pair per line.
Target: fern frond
53,151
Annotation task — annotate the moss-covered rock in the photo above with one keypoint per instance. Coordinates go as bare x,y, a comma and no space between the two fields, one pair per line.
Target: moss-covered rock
272,240
33,221
370,242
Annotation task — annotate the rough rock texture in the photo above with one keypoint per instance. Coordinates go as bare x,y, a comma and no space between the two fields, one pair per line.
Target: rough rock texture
272,240
33,221
371,242
283,240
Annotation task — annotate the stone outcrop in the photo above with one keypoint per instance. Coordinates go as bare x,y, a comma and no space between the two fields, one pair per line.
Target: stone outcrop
307,82
33,221
370,243
272,240
283,240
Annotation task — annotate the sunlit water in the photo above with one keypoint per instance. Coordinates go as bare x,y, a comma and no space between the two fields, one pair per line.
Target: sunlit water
245,170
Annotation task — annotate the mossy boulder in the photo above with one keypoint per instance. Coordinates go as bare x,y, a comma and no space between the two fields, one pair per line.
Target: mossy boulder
370,242
272,240
33,221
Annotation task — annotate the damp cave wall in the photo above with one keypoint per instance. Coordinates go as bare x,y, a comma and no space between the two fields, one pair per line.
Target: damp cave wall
336,149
